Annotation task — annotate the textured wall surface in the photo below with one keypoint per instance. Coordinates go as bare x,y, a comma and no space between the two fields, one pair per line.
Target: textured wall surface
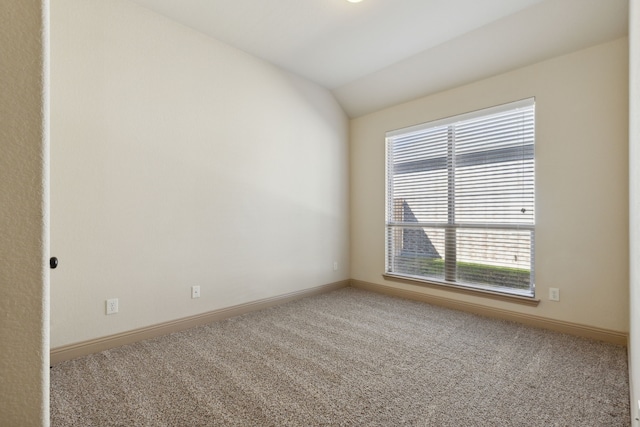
634,204
581,180
179,161
24,322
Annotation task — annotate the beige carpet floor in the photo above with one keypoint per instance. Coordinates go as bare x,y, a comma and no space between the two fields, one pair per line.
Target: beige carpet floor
348,358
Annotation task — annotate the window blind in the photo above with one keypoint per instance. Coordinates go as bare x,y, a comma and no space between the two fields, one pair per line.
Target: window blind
461,198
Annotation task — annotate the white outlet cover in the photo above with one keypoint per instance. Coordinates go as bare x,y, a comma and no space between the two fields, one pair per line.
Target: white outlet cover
195,292
112,306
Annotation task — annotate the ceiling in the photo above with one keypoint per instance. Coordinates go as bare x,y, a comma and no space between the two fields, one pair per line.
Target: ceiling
379,53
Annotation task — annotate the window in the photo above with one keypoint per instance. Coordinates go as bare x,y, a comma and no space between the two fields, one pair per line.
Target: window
460,200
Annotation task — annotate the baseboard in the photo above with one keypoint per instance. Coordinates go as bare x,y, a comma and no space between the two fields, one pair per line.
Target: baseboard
606,335
72,351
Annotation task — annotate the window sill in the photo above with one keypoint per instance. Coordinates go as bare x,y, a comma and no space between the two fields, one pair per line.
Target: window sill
518,299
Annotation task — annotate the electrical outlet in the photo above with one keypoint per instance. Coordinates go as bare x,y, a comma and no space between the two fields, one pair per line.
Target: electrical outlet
335,265
195,292
112,306
554,294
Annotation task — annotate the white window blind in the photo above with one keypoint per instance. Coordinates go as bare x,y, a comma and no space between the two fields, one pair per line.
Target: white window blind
461,197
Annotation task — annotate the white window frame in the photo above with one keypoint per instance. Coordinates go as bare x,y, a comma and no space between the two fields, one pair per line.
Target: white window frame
451,227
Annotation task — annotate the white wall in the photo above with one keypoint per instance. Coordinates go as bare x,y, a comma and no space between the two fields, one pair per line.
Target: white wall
179,161
634,203
24,274
581,181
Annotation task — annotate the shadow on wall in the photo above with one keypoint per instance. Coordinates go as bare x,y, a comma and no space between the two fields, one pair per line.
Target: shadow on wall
415,241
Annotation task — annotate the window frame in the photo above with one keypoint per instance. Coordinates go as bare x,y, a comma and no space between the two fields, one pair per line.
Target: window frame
451,225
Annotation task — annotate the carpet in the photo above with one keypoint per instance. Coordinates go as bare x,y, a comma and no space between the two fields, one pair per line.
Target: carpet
348,358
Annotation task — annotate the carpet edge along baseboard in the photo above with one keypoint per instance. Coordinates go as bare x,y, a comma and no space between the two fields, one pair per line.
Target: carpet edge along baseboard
84,348
585,331
72,351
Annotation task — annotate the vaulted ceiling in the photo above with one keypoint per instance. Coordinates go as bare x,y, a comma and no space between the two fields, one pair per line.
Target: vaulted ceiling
378,53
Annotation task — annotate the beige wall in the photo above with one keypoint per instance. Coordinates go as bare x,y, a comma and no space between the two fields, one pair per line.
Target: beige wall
634,204
581,181
24,275
179,161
